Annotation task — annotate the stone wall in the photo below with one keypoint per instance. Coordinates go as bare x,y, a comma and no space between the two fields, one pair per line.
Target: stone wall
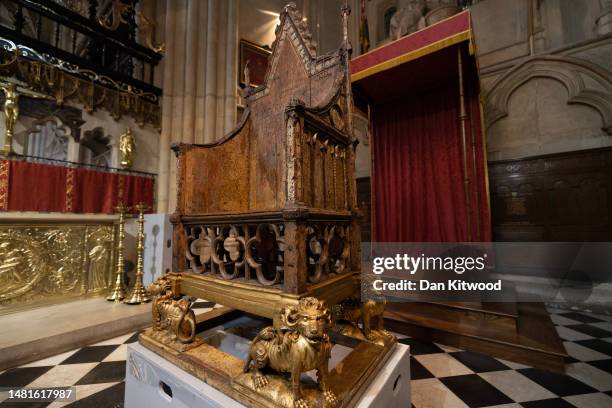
199,80
545,69
546,72
362,153
147,137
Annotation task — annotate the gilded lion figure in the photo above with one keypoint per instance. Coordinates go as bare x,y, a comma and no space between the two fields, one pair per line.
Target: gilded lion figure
174,316
354,311
298,344
370,309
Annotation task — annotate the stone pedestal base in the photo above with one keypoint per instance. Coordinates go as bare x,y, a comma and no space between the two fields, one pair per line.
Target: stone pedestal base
153,382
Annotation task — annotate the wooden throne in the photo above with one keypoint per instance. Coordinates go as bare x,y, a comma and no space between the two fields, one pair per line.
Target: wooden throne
267,217
272,205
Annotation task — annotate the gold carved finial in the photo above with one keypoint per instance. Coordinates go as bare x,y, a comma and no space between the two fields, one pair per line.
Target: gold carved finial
118,292
139,294
127,144
11,112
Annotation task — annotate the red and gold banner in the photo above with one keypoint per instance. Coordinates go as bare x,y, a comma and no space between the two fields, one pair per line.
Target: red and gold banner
450,31
26,186
97,192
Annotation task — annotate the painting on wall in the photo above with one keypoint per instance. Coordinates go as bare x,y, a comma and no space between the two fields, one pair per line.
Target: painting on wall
257,57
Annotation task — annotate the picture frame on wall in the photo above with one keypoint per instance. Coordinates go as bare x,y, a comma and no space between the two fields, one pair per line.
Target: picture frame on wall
257,56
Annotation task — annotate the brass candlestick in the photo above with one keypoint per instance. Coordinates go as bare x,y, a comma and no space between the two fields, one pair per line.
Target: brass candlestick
118,292
139,293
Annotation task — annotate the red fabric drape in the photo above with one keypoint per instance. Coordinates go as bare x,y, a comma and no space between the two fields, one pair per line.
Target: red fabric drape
36,187
138,189
418,171
481,210
27,186
94,191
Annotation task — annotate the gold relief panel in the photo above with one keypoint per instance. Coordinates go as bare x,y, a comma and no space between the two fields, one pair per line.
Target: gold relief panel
50,263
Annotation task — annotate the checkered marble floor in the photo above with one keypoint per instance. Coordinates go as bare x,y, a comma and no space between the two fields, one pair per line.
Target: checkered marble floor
442,377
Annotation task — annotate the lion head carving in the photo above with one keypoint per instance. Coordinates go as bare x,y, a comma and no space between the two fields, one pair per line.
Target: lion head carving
311,318
160,286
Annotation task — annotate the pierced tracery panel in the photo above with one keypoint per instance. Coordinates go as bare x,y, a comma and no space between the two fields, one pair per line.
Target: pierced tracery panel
328,250
252,252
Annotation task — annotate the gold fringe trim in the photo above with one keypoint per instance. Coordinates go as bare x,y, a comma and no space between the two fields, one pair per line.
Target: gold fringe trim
4,179
69,189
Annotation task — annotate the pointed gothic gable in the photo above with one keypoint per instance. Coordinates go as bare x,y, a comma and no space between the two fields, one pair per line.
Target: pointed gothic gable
295,75
295,66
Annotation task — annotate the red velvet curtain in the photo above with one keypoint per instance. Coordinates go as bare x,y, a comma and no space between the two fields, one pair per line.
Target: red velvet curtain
138,189
477,156
94,191
418,169
36,187
27,186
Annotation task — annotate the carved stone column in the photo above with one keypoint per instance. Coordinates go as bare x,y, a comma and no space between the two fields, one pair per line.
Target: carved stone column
199,80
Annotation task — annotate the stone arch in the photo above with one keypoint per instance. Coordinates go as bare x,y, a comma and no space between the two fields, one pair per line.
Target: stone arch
96,148
49,138
586,84
382,8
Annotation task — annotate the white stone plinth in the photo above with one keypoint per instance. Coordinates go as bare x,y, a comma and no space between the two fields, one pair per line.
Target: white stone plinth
150,380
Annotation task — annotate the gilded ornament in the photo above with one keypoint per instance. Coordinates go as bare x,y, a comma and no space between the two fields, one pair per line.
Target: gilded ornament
18,255
298,343
335,114
41,263
99,260
361,315
11,112
354,312
119,9
45,77
127,144
148,28
173,318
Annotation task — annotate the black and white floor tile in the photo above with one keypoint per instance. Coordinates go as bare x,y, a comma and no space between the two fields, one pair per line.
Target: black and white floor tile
442,376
